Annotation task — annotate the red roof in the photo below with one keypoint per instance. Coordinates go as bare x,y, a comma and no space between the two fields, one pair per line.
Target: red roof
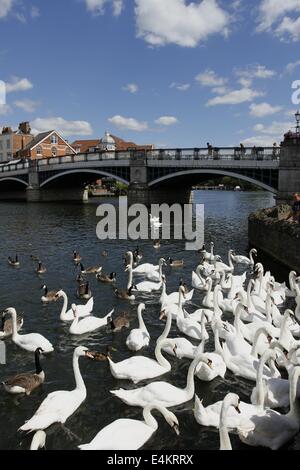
121,144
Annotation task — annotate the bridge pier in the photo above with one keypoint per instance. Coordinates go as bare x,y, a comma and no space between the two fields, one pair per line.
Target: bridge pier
289,168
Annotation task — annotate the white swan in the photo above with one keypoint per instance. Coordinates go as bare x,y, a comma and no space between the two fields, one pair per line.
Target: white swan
139,368
60,405
30,342
208,256
82,310
130,434
217,367
139,337
180,348
198,282
187,325
244,259
162,393
173,299
154,284
38,441
219,266
156,276
87,324
231,400
272,429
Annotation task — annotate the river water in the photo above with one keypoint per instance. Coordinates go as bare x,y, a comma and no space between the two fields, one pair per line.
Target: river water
52,232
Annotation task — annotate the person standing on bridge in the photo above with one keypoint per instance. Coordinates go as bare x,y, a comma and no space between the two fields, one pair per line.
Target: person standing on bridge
210,149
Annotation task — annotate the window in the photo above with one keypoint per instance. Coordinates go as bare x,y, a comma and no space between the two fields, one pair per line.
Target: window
54,139
1,145
39,152
8,144
54,151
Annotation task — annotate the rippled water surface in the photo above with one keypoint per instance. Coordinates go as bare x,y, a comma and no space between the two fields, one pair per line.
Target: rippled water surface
52,232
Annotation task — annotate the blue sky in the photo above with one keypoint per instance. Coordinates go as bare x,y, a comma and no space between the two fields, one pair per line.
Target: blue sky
168,72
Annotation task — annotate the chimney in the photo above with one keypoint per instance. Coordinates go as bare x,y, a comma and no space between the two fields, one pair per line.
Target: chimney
25,128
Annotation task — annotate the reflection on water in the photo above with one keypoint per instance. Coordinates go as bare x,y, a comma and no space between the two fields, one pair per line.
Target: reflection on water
51,232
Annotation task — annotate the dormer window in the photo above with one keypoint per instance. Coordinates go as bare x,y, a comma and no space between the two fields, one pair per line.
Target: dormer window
54,139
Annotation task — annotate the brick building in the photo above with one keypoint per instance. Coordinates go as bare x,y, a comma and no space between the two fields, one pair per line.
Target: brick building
108,143
12,142
46,145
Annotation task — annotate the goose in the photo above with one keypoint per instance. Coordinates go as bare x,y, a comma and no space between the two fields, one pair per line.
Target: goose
231,400
175,263
139,337
198,282
108,279
84,291
124,294
139,368
7,325
162,393
218,366
26,382
40,269
130,434
270,428
38,441
76,257
48,297
87,324
243,259
100,356
82,310
119,323
29,342
90,270
58,406
14,262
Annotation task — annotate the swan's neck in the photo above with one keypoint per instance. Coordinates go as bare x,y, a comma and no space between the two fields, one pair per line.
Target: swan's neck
190,382
294,404
78,377
258,334
129,283
199,275
203,328
14,325
225,443
159,357
237,321
163,293
251,256
250,304
142,325
65,306
260,386
218,347
269,308
230,263
149,418
217,310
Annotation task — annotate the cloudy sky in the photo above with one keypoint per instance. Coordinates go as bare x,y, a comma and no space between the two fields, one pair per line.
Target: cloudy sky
170,72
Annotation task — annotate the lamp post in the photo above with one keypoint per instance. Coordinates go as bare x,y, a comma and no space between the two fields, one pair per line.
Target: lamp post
297,116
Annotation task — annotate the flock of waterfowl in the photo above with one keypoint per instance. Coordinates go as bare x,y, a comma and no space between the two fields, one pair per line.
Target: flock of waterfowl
254,337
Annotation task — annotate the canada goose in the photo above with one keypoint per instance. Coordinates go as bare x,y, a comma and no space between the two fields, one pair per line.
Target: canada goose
7,325
104,253
14,262
48,296
90,270
40,269
102,277
156,244
175,263
27,382
122,321
76,257
84,291
100,357
34,258
125,294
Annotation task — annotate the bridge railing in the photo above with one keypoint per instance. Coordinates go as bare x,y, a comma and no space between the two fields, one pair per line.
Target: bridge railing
85,157
228,153
14,166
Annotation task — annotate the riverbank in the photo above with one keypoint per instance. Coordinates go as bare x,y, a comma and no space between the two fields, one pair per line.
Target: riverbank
270,232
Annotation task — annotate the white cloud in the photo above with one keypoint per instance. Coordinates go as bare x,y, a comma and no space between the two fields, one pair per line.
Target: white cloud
292,66
272,17
5,109
66,128
131,87
27,105
255,71
166,120
261,141
274,129
178,22
131,124
263,109
180,87
209,78
5,7
235,97
97,7
18,84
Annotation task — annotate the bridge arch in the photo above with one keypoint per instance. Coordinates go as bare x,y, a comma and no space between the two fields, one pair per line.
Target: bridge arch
81,171
212,172
16,180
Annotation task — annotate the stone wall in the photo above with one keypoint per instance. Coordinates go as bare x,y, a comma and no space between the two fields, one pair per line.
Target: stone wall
271,233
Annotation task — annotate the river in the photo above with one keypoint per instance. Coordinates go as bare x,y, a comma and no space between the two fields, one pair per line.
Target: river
52,232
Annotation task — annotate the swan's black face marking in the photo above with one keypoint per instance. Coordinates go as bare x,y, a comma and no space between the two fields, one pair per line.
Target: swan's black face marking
175,350
210,364
270,339
238,409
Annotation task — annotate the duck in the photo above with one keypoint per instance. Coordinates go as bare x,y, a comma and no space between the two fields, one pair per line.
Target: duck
156,244
40,269
48,297
107,279
100,356
244,259
231,400
175,263
90,270
87,324
30,342
82,310
104,253
119,323
76,257
38,441
130,434
138,368
162,393
7,325
84,291
58,406
139,338
14,262
26,382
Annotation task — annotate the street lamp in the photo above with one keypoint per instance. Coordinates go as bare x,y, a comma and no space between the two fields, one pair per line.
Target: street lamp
297,116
